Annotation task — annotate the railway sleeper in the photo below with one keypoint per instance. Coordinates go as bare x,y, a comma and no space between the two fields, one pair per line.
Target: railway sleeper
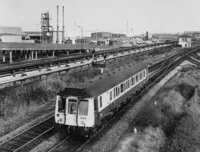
6,149
15,145
20,141
27,137
32,134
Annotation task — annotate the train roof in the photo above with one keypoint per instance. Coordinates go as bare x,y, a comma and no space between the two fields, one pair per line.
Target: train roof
78,92
104,82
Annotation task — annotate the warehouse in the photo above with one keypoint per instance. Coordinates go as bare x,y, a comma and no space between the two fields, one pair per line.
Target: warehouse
11,34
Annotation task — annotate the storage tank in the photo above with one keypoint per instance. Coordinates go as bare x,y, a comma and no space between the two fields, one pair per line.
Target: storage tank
11,34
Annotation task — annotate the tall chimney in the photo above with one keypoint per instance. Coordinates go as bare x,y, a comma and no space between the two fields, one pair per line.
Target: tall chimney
57,40
63,32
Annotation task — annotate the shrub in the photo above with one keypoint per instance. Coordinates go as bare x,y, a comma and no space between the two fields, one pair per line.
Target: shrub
153,139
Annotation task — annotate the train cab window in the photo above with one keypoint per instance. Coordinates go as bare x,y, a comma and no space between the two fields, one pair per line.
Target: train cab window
110,95
72,106
100,101
136,78
83,107
61,104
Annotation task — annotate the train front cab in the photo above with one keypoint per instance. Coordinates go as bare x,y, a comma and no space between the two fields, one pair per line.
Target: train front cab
75,113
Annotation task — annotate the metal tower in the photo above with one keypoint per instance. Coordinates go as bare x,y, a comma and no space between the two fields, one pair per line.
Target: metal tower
46,28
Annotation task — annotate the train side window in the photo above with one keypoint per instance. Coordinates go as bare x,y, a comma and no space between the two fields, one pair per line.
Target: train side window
136,78
144,73
133,80
140,75
100,101
119,90
110,95
114,92
122,89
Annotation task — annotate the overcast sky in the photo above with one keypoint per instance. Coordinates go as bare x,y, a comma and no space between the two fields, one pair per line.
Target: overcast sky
106,15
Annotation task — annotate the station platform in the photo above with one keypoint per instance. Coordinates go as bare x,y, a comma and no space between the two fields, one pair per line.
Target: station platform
31,50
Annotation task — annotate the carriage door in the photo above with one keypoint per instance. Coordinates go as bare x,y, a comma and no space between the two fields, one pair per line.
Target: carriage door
72,110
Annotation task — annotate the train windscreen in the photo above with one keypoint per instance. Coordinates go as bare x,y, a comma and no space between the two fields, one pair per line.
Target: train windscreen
61,104
83,107
72,106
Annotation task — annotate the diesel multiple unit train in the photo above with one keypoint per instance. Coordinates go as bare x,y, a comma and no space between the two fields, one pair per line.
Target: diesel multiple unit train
82,110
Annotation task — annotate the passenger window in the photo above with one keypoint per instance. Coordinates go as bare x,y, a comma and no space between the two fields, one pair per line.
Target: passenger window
118,90
114,92
136,78
144,73
122,89
140,75
72,106
100,101
83,107
133,80
110,95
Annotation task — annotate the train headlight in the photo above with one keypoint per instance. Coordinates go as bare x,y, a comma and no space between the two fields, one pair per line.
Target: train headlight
60,120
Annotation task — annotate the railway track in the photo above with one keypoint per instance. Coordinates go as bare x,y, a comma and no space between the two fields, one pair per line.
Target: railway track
23,141
167,66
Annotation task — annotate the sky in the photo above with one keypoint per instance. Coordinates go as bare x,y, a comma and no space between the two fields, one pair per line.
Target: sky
138,16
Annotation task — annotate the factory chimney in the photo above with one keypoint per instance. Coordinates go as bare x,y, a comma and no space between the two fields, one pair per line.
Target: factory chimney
63,32
57,40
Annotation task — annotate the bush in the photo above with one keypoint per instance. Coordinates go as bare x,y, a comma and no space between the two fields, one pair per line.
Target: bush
153,139
186,136
186,90
148,141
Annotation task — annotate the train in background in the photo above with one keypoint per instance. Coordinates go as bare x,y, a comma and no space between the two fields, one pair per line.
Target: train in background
81,111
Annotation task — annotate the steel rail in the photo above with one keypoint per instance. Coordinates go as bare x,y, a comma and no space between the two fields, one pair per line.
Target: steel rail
44,126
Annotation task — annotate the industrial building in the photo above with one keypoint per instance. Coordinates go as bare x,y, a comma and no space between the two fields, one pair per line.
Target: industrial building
193,34
101,35
185,41
11,34
32,35
106,35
